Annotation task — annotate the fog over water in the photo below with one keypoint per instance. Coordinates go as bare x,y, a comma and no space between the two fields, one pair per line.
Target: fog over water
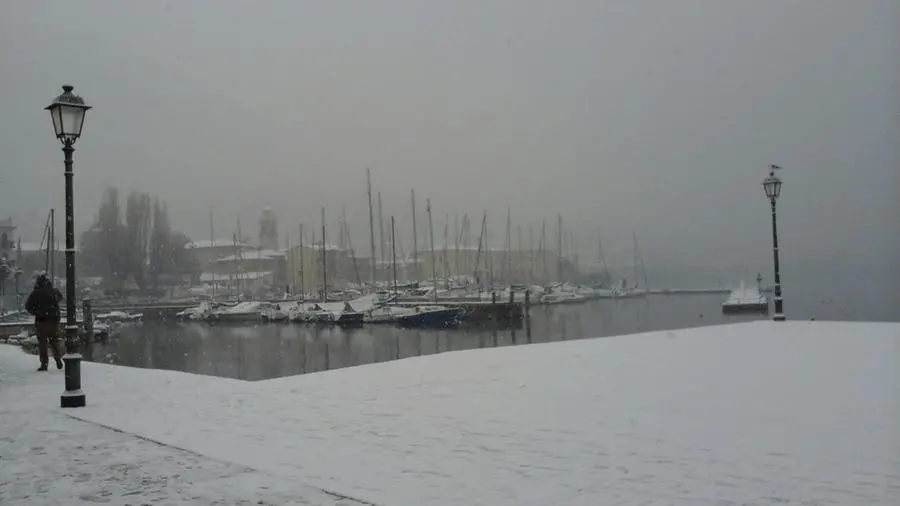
657,118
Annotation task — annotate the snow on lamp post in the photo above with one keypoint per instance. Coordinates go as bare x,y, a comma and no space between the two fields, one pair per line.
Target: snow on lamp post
67,112
772,186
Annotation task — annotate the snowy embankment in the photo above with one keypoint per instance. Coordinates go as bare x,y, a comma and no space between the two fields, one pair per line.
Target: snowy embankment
759,413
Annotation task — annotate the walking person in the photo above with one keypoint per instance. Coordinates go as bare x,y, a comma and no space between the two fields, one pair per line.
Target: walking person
43,303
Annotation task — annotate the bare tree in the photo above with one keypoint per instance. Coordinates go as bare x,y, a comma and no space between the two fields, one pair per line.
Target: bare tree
137,236
109,237
159,240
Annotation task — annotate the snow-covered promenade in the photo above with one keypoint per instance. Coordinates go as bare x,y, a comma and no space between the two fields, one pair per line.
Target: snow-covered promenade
759,413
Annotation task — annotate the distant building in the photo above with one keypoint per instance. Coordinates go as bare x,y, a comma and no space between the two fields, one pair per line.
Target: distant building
206,252
305,268
268,230
249,269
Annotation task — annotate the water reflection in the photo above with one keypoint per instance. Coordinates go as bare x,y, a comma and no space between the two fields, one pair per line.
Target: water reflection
273,350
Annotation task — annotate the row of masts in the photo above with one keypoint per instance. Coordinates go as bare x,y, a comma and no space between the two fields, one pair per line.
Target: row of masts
483,272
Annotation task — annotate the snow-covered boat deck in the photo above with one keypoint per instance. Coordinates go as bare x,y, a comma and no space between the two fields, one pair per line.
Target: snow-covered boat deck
745,299
757,413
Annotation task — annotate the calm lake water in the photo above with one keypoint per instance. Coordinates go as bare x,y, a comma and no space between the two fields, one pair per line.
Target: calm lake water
256,352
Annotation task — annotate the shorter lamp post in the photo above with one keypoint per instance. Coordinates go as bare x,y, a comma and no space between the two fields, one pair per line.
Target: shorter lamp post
5,271
68,111
772,186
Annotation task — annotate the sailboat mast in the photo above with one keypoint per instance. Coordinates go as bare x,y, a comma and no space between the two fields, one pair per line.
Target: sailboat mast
573,250
520,256
239,245
324,262
544,250
291,263
381,231
340,269
313,259
640,264
302,264
480,244
352,252
415,251
559,248
456,240
488,255
446,244
466,240
371,225
237,272
394,255
212,243
606,275
507,247
431,233
530,253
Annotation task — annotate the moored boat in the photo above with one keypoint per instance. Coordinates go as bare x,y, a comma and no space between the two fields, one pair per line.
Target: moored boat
430,316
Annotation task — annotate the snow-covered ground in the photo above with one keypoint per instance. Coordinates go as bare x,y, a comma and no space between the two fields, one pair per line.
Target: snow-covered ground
760,413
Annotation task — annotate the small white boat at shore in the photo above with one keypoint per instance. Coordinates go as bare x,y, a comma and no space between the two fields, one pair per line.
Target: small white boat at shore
745,300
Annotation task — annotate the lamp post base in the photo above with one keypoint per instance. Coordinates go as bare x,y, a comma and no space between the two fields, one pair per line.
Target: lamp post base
73,397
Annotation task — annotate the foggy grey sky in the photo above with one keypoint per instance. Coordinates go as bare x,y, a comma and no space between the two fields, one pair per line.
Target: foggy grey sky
658,117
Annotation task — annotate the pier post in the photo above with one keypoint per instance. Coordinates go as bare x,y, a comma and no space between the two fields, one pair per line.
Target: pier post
88,327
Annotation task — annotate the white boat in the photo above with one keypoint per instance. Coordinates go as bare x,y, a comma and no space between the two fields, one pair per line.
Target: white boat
745,300
118,316
250,311
278,312
342,314
199,312
310,313
562,293
384,314
562,297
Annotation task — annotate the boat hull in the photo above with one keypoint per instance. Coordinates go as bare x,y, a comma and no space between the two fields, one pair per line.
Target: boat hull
349,319
439,318
235,317
750,307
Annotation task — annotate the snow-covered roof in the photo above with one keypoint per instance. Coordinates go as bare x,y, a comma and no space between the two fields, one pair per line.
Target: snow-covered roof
214,243
31,247
265,254
318,246
207,277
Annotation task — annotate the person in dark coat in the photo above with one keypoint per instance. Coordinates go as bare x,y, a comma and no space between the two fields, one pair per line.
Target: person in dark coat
43,303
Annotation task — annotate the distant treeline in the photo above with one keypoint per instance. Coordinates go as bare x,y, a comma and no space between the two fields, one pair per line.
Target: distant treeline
136,244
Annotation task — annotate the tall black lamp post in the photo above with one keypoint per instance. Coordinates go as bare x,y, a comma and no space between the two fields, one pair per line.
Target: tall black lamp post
68,111
772,186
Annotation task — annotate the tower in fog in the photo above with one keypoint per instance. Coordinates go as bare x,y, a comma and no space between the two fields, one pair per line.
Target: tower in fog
268,230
